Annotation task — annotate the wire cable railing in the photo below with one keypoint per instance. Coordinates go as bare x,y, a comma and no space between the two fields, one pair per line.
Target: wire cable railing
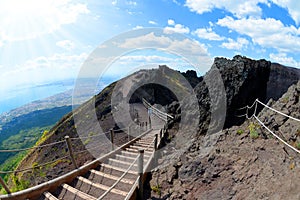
135,132
30,148
123,175
157,112
256,102
34,167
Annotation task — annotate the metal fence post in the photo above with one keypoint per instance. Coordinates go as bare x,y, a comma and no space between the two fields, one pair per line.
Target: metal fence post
140,172
112,138
4,185
67,138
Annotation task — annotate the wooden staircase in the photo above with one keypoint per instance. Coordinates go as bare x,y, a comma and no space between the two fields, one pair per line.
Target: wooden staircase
95,182
113,176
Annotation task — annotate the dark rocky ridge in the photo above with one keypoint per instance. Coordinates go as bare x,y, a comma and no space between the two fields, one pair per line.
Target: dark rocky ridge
239,166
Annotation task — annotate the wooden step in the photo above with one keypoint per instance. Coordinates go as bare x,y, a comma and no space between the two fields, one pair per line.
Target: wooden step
134,150
122,164
78,192
142,144
148,140
102,187
49,196
127,159
124,158
99,173
117,168
132,154
148,148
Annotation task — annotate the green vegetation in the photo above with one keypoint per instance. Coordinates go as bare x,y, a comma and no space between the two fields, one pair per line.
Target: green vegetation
253,127
28,130
156,189
298,145
298,132
240,132
23,132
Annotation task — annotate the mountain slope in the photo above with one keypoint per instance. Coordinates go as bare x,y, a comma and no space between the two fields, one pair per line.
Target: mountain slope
241,166
244,81
230,164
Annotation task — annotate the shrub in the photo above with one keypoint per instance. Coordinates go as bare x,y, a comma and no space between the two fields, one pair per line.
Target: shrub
298,145
240,132
156,189
253,130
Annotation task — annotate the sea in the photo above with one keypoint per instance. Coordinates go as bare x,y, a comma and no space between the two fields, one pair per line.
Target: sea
26,94
23,95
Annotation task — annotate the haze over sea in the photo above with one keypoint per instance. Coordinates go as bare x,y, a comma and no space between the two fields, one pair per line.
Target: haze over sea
23,95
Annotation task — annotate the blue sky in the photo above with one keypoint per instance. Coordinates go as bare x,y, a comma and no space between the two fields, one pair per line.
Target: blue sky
45,41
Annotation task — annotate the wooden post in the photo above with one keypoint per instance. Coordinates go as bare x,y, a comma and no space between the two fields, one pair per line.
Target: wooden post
67,138
155,149
140,129
128,133
112,138
140,172
150,124
4,185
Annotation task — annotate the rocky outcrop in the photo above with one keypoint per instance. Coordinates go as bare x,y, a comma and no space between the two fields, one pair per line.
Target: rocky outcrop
240,165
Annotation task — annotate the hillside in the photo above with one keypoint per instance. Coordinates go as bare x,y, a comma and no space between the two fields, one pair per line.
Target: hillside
244,81
227,163
24,126
240,165
101,104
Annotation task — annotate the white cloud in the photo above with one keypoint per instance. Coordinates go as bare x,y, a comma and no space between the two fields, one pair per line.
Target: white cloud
207,34
65,44
152,22
171,22
192,50
177,28
176,2
238,8
239,44
42,70
246,8
132,3
284,59
269,33
20,20
138,27
292,6
114,2
145,58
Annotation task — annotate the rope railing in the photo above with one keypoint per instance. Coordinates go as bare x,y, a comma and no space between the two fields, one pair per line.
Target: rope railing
255,103
30,148
90,148
90,136
159,113
284,142
34,167
123,175
135,132
293,118
260,122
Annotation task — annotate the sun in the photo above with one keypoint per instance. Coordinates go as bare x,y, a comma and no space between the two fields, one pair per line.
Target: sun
21,20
